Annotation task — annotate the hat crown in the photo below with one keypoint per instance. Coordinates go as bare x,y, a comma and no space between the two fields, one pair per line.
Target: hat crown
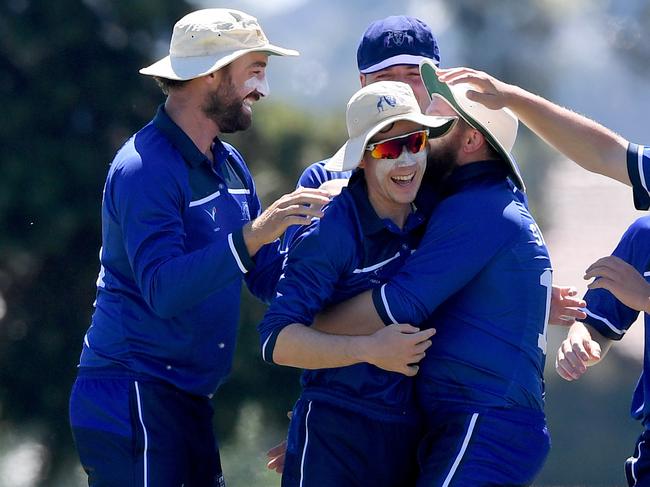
394,40
377,102
214,30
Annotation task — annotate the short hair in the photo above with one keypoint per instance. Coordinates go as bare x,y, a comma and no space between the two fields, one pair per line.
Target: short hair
167,85
490,151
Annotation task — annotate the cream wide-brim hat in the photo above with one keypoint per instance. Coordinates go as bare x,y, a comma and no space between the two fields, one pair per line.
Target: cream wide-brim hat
499,127
375,107
209,39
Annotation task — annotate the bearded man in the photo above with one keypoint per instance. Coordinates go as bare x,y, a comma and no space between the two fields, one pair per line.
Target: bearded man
182,228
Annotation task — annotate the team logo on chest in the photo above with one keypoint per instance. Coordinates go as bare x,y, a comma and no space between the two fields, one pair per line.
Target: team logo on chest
212,213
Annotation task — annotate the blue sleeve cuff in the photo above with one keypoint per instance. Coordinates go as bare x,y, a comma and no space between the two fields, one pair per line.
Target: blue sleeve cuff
269,345
637,176
239,251
603,326
381,305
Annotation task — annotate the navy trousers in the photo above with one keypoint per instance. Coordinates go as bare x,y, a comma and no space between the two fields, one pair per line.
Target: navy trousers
483,448
135,433
332,446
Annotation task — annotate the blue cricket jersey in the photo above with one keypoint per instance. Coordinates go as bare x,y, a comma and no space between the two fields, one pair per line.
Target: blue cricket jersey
172,260
638,168
346,252
482,277
611,318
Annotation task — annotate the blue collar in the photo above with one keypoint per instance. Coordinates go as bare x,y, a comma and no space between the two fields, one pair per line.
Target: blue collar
480,171
179,139
370,222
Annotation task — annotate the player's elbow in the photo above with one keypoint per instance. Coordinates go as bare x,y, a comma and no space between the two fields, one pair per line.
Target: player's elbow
277,347
163,308
163,301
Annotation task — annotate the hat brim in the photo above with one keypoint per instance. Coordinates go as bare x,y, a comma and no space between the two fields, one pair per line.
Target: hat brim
187,68
437,88
350,154
400,59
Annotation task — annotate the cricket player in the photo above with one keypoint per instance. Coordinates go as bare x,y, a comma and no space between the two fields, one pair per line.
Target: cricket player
354,423
182,227
609,316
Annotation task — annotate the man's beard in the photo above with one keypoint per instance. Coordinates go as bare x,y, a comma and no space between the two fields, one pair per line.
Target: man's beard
226,109
441,161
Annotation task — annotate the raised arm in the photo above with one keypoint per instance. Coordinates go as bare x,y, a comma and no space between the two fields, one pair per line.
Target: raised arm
589,144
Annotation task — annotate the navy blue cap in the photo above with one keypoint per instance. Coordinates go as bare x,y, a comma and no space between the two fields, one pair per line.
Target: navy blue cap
396,40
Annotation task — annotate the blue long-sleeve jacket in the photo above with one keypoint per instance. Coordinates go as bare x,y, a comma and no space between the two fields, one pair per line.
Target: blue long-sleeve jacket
173,259
346,252
482,277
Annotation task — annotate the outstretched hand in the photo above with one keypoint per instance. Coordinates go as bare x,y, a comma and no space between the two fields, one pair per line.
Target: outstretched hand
297,208
488,91
277,454
622,280
565,307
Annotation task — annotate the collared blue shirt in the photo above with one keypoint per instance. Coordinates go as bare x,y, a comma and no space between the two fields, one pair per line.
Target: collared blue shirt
173,258
612,319
482,277
344,253
638,168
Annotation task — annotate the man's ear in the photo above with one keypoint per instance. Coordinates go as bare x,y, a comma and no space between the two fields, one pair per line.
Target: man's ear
473,141
213,78
362,79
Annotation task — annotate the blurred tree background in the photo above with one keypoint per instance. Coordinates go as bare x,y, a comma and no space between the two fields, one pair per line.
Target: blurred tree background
71,94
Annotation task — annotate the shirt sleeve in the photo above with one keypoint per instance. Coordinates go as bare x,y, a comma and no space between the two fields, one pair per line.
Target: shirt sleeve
263,276
605,313
147,204
313,267
465,231
312,177
638,168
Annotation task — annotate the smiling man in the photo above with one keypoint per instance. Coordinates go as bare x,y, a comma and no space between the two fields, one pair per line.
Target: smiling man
181,228
355,424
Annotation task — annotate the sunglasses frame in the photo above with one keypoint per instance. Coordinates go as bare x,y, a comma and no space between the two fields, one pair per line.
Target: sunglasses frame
371,147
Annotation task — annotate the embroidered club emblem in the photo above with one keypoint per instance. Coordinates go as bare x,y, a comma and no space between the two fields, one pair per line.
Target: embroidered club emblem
388,100
212,213
398,37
